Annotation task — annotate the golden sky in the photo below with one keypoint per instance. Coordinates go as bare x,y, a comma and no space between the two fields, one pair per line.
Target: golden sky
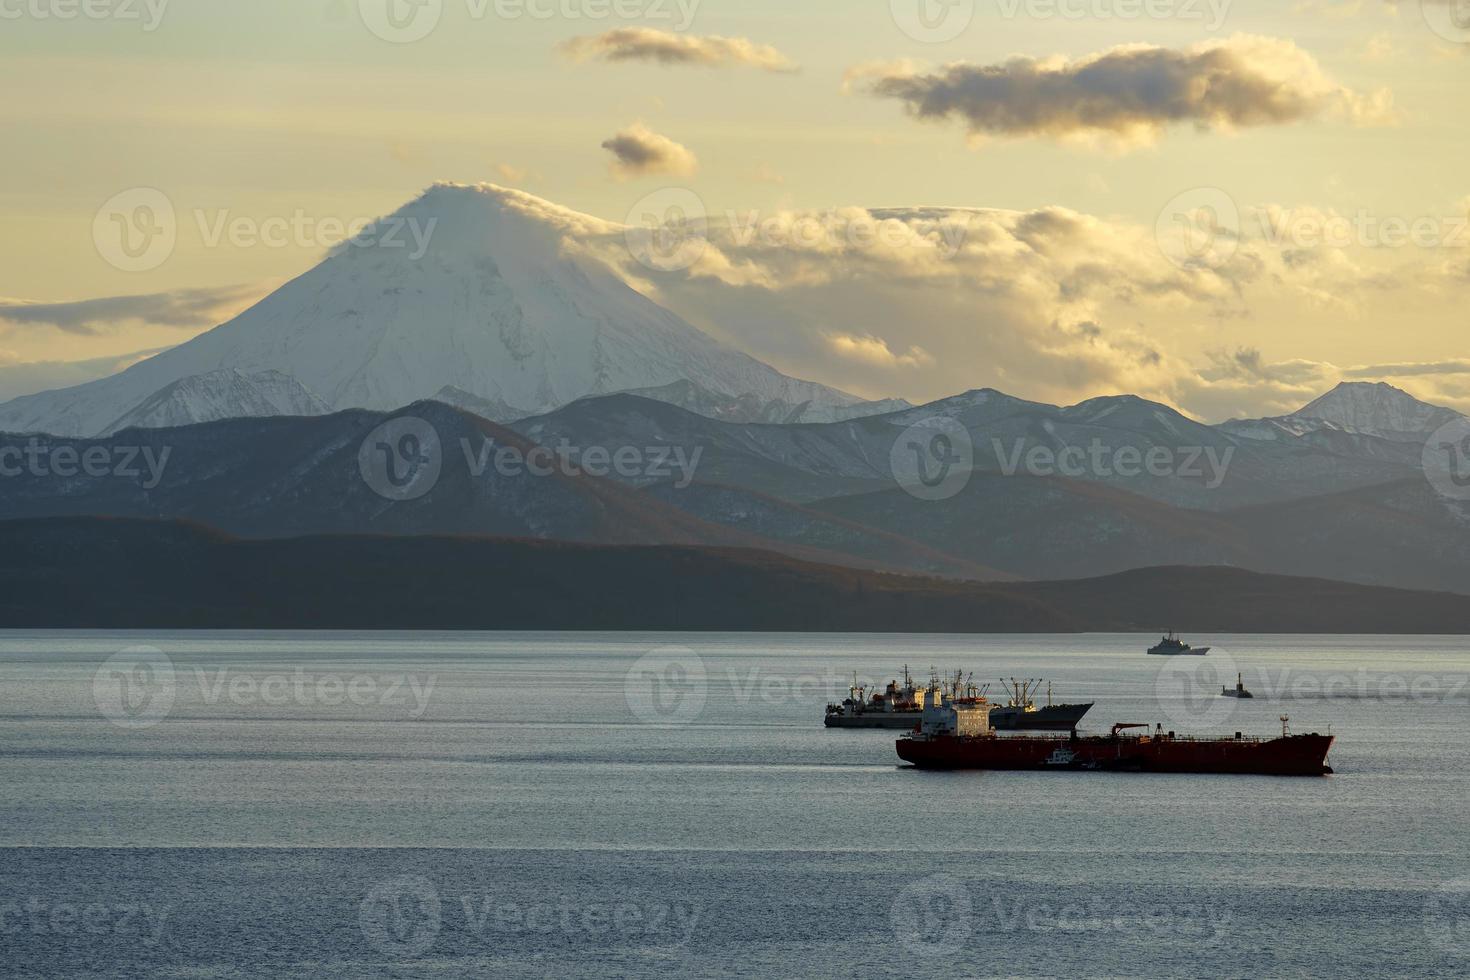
1227,206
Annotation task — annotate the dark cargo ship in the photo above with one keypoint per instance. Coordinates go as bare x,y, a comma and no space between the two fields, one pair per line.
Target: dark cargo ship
954,737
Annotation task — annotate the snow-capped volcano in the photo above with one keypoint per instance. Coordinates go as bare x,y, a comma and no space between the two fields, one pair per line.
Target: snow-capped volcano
481,289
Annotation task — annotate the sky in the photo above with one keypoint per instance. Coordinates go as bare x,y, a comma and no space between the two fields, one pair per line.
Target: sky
1226,206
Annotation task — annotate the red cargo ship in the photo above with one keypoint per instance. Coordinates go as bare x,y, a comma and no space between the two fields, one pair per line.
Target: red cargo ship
958,739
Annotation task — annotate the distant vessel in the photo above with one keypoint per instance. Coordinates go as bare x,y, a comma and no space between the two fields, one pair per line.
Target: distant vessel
1170,645
900,707
956,736
1239,692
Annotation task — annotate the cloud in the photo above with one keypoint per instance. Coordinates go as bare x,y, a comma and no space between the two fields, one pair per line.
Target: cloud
666,48
19,378
1049,304
1409,370
766,174
1127,95
931,301
638,151
875,350
183,308
511,174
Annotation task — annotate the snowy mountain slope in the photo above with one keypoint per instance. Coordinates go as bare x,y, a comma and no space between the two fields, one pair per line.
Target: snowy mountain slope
486,408
498,301
748,408
1378,409
226,394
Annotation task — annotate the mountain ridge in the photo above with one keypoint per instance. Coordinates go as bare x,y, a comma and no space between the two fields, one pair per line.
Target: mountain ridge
101,573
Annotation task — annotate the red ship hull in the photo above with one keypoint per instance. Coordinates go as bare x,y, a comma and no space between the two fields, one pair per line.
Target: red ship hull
1292,755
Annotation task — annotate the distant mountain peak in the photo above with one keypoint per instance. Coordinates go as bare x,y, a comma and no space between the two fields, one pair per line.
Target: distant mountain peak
1377,408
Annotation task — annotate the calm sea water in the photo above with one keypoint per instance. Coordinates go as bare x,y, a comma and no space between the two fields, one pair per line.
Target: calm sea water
477,805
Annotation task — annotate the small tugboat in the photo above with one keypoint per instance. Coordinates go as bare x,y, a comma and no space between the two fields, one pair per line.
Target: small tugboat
1170,645
900,707
956,736
1239,692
